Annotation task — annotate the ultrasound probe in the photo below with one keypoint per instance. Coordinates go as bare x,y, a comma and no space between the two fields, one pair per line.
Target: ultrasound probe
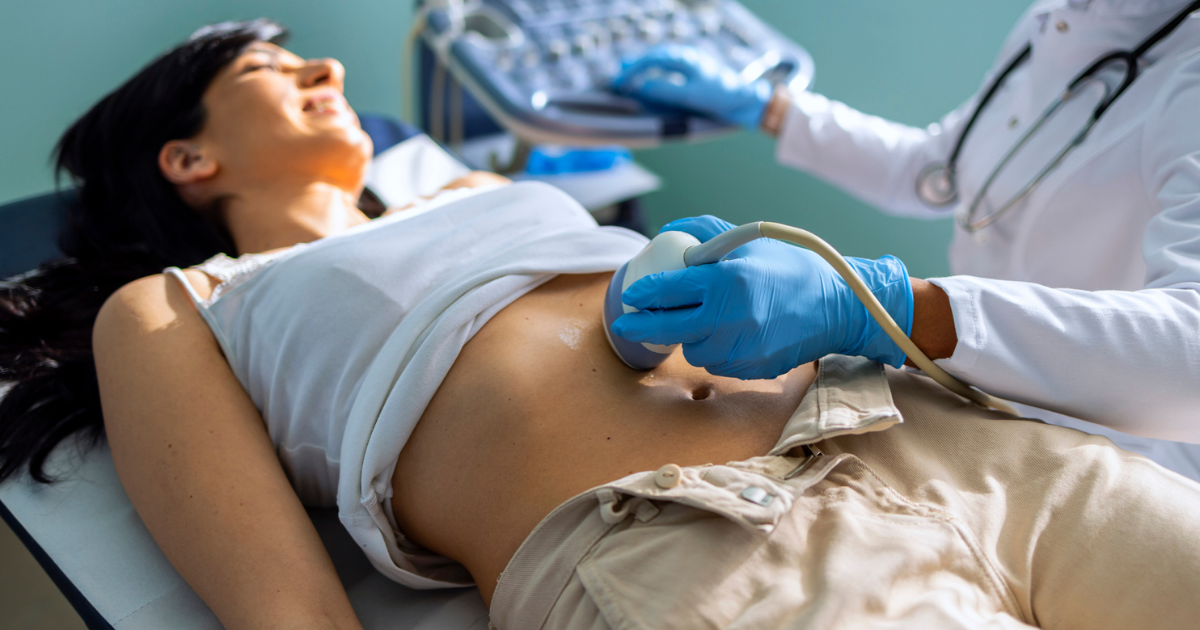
672,250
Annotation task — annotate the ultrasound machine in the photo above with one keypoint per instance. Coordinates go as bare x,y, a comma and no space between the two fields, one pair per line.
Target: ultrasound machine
541,69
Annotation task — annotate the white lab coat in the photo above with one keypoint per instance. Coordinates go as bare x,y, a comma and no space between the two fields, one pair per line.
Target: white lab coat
1085,298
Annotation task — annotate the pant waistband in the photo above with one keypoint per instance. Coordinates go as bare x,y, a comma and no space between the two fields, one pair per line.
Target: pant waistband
849,395
753,493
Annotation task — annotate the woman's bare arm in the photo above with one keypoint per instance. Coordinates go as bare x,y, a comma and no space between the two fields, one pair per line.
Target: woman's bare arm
194,456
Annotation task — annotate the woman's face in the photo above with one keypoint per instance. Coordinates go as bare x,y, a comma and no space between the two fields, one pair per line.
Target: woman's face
272,115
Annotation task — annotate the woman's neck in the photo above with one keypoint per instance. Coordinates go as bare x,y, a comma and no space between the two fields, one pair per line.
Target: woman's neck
277,215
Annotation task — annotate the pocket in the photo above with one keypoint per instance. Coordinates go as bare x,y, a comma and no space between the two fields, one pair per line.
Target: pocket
655,574
849,553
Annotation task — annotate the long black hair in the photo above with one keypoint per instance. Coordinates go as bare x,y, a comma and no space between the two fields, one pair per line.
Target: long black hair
129,223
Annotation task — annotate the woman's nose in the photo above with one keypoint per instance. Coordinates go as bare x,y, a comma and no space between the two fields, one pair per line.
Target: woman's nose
322,72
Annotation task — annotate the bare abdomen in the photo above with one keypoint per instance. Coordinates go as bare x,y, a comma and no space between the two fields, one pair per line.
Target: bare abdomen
537,409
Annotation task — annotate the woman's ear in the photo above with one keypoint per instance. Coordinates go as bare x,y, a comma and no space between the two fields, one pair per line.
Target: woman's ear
184,162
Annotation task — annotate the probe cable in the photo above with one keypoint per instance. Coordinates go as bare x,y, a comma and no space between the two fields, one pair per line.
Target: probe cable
721,245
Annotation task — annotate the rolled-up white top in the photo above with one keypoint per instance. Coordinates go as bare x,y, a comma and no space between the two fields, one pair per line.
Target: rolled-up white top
342,343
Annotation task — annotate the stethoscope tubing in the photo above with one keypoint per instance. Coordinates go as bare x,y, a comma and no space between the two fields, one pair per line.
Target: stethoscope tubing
948,191
968,220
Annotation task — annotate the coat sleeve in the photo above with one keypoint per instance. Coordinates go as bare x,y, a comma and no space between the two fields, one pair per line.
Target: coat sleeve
1126,359
873,159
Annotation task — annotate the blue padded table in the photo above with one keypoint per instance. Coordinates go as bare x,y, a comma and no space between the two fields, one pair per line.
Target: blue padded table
29,231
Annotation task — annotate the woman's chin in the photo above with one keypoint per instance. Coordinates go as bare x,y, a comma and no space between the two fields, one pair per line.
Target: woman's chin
339,146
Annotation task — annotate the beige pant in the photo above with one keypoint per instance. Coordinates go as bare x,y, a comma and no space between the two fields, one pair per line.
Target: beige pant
956,518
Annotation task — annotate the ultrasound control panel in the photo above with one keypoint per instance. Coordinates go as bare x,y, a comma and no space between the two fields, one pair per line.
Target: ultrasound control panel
543,68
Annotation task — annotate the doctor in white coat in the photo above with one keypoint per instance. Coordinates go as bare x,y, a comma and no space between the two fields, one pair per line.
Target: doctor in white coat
1078,298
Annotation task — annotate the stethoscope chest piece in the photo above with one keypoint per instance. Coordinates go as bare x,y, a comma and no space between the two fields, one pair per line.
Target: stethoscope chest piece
936,186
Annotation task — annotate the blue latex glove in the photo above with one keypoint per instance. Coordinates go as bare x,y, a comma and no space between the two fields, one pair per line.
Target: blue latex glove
690,79
766,308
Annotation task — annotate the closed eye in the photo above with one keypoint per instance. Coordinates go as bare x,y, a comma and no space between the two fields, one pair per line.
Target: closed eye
273,66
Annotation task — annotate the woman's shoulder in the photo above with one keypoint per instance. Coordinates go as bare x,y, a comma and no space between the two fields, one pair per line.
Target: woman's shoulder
149,332
152,303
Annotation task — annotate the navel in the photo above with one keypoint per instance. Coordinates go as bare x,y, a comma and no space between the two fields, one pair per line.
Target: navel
701,392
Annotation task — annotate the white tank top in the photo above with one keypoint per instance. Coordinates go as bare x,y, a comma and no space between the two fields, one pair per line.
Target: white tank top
366,323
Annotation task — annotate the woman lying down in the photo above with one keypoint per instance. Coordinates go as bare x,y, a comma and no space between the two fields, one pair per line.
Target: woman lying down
441,376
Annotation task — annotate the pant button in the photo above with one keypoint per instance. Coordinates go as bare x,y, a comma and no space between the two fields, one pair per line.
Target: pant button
668,476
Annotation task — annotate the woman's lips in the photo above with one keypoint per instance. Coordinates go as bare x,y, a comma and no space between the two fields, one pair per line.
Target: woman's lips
324,103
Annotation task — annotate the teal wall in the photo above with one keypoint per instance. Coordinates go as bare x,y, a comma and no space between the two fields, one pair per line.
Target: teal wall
60,56
905,60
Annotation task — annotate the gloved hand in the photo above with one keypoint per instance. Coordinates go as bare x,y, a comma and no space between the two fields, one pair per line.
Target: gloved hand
766,308
691,79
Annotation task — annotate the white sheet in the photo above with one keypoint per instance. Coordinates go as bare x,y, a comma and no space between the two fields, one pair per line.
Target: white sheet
417,167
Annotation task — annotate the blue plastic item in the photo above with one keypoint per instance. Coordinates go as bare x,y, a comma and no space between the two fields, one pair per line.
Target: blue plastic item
557,161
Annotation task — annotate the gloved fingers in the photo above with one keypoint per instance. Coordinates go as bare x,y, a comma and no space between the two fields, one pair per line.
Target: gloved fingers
749,115
732,358
668,289
707,226
675,57
649,83
655,62
800,260
661,327
631,76
708,353
663,91
746,370
702,227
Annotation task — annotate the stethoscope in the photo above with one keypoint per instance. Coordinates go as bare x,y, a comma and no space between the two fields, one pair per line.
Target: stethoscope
937,183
